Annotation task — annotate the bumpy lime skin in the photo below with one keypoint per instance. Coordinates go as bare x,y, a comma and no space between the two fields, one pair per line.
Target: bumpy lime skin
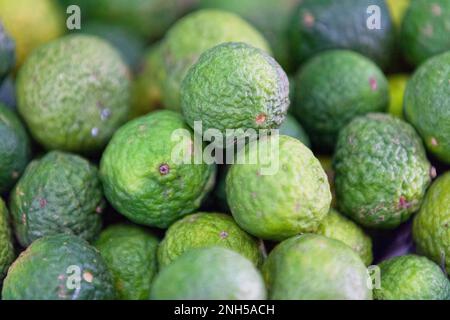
59,267
427,98
7,253
59,193
145,178
201,230
411,277
431,228
194,34
314,267
290,127
381,171
14,148
235,86
336,226
320,25
424,31
130,253
292,199
73,93
332,89
213,273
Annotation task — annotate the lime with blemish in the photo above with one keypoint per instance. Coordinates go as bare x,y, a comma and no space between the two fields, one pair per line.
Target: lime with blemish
59,267
206,230
150,173
333,88
58,193
284,192
381,171
235,86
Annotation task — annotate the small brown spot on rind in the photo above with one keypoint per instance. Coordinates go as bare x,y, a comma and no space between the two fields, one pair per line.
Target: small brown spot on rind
260,118
434,142
436,9
99,209
43,203
403,203
223,234
88,277
15,174
373,83
308,20
428,30
164,169
433,172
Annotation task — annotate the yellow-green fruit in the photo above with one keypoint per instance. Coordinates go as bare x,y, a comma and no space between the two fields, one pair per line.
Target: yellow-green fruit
431,229
327,165
194,34
282,192
338,227
397,87
201,230
411,277
6,245
146,87
398,9
31,23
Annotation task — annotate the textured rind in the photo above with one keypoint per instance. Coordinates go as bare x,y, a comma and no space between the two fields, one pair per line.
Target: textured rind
332,89
425,29
14,148
397,88
194,34
313,267
31,24
319,25
336,226
291,199
231,86
426,104
73,93
130,253
129,44
130,171
381,171
213,273
44,272
7,53
431,228
290,127
59,193
201,230
7,253
411,277
268,16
